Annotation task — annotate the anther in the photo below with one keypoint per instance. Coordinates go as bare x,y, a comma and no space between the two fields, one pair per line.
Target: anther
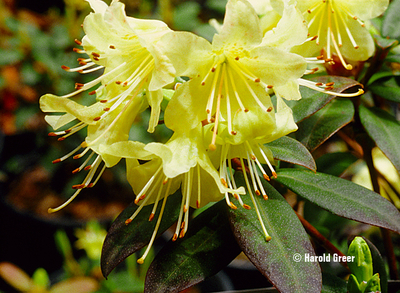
175,237
213,69
66,68
106,109
203,83
212,147
151,217
56,161
313,38
246,206
78,186
112,47
165,181
79,85
88,167
266,177
246,110
274,174
75,171
270,86
236,196
329,83
78,42
128,221
258,192
103,101
237,58
233,132
257,79
52,134
233,207
182,234
94,54
84,144
265,196
60,138
197,204
92,93
118,82
268,238
269,109
97,118
224,182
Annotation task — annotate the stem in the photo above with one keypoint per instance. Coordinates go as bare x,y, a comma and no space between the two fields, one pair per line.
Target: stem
321,239
387,240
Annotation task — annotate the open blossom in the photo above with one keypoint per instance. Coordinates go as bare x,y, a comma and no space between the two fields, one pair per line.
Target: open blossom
181,162
339,27
101,134
125,49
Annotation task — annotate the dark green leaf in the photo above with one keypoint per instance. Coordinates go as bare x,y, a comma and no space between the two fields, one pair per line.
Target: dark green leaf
393,58
290,150
319,127
335,163
312,100
276,259
384,129
333,284
388,89
378,265
122,240
385,43
207,247
342,197
391,21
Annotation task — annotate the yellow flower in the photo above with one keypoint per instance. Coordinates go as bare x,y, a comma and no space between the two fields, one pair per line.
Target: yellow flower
339,27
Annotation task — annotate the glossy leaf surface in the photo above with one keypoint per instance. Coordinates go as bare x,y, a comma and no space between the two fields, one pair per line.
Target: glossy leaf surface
319,127
281,259
312,101
342,197
290,150
207,247
122,240
384,129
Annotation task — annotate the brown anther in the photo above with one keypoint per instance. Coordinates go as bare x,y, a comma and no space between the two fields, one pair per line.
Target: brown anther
118,82
79,85
269,109
103,101
356,47
258,192
88,167
314,38
246,110
125,83
270,86
185,209
76,50
212,120
175,237
233,132
94,54
236,196
112,47
90,185
274,174
56,161
321,57
233,207
253,157
52,134
78,42
96,58
203,83
80,71
266,177
328,88
77,156
197,204
182,225
67,131
151,217
165,181
65,67
257,79
330,84
265,196
237,58
142,197
308,10
60,138
319,84
136,200
92,93
182,234
224,182
97,118
355,17
106,109
128,221
213,69
78,186
246,206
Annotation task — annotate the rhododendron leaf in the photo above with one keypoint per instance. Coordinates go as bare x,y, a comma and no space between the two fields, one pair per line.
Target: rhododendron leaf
290,150
319,127
391,21
342,197
276,259
384,130
312,100
207,247
122,240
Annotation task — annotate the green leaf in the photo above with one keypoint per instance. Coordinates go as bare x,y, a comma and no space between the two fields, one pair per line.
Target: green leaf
391,21
335,163
122,240
388,89
342,197
276,259
207,247
393,58
319,127
378,265
312,100
290,150
333,284
384,129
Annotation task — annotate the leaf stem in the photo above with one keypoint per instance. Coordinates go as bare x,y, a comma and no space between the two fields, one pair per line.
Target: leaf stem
321,239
